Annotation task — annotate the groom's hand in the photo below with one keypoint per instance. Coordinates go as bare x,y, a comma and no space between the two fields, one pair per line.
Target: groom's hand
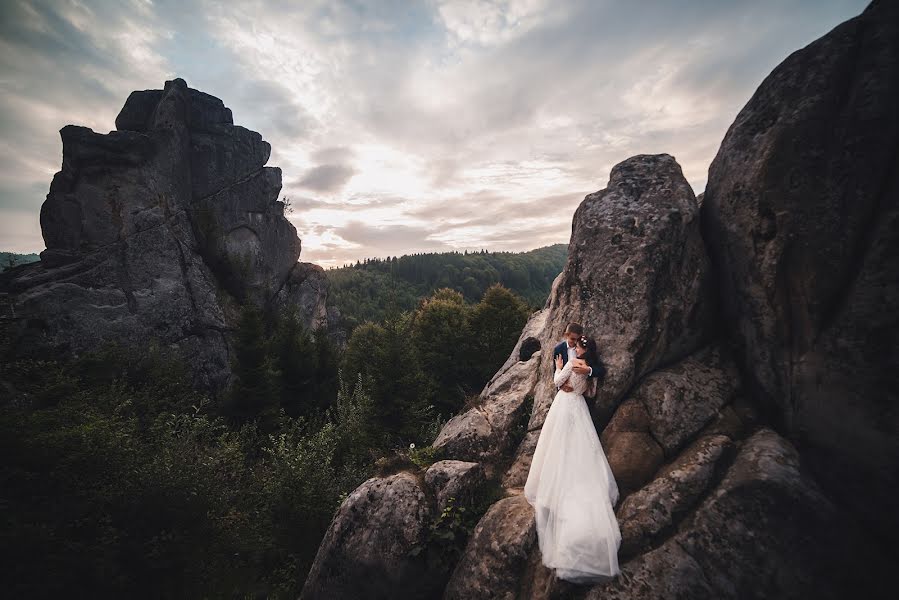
567,388
581,370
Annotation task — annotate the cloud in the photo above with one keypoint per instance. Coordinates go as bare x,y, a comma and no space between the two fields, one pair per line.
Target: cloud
335,154
327,178
403,127
389,237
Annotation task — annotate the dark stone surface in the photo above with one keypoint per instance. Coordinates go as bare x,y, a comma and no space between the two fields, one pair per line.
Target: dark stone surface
801,215
162,229
365,551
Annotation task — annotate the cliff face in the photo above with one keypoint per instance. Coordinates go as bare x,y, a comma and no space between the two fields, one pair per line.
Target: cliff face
162,229
801,215
733,328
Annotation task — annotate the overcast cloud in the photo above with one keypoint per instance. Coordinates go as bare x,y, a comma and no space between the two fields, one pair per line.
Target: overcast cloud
404,126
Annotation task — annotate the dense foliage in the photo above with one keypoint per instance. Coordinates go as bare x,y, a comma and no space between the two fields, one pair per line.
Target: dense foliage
436,356
120,480
365,291
11,259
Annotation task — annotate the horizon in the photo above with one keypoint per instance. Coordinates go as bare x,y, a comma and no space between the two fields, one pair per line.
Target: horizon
387,257
405,128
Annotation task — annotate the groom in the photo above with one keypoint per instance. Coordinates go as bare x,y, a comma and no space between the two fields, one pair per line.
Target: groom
566,349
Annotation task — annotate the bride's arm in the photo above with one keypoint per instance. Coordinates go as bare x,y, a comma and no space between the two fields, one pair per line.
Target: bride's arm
562,374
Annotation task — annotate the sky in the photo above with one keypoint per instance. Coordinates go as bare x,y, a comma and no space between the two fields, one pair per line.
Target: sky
404,126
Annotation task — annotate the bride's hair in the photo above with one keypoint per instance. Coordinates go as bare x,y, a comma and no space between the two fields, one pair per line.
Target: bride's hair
589,344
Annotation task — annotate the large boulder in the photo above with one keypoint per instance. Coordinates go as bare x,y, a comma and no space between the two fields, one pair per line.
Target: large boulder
682,398
801,215
365,552
766,531
454,481
653,510
161,229
497,553
637,277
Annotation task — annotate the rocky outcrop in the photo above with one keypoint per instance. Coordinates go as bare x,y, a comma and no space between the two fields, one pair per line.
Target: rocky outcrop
637,275
801,215
496,554
162,229
711,418
454,480
366,550
648,513
750,539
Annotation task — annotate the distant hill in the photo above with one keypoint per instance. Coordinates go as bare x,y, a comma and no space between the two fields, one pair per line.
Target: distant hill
364,291
11,259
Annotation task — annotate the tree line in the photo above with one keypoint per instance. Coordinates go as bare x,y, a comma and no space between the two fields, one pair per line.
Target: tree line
363,291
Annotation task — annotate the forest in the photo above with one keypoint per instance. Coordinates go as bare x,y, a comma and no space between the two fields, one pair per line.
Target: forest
11,259
174,493
364,291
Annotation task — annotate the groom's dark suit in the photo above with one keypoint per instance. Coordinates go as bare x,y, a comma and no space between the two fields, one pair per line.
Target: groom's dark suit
598,370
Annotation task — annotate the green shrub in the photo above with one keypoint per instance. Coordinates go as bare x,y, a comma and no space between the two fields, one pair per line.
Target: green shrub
121,481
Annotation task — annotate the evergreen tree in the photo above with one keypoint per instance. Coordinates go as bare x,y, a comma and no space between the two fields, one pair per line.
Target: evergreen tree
327,365
496,323
253,394
297,362
443,342
358,442
383,355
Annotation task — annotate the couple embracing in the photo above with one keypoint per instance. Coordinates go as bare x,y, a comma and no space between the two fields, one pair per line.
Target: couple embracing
570,484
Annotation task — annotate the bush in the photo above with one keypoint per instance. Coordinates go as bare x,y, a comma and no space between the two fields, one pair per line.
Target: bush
121,481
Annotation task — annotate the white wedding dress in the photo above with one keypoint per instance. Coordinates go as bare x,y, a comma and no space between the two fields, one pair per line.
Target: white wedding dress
573,491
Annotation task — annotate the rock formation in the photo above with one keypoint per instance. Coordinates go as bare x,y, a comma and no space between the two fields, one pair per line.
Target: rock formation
732,330
801,215
162,228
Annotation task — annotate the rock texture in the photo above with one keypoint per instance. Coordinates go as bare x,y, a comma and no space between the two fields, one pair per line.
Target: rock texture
767,531
646,514
801,214
637,275
162,229
365,552
496,554
712,417
454,479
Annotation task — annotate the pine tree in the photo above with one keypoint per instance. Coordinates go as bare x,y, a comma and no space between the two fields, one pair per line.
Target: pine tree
297,363
253,394
327,366
496,323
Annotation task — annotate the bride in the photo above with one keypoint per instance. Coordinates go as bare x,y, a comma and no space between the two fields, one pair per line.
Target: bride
571,486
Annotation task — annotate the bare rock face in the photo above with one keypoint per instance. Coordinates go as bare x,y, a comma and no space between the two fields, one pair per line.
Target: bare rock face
454,479
646,514
637,275
161,229
682,398
801,214
666,409
766,531
633,454
365,552
306,291
497,553
765,497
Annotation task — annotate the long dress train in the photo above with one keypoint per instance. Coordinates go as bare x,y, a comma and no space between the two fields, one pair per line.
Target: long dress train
573,491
